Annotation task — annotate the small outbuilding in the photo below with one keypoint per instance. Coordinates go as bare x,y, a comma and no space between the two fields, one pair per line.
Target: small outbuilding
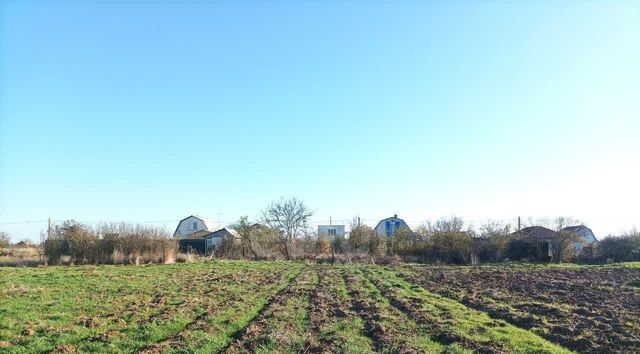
215,239
208,242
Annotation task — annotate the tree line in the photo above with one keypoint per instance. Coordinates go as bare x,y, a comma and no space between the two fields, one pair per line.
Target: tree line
283,232
286,233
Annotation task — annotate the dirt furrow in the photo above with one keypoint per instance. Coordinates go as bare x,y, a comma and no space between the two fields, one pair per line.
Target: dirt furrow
261,331
385,338
329,309
213,304
433,324
587,310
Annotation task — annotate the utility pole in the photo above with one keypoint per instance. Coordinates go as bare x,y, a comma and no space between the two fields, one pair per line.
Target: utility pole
518,224
330,221
49,229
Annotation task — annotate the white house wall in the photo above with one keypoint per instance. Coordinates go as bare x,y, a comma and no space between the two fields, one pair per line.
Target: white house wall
185,228
213,242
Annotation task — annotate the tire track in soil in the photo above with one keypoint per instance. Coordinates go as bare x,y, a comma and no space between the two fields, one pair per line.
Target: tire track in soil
438,332
370,312
249,337
175,340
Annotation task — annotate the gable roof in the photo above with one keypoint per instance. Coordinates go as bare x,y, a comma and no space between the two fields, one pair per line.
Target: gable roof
209,225
538,232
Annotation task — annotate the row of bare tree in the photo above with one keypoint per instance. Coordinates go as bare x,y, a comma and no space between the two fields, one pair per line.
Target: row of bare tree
285,232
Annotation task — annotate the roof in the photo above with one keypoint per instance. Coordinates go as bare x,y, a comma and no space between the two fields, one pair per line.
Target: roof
394,217
582,231
538,232
576,228
210,225
220,233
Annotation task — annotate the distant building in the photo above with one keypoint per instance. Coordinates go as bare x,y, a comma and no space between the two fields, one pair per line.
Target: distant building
331,231
194,226
205,242
215,239
390,225
544,240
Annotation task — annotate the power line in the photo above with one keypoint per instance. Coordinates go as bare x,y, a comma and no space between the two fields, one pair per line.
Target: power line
23,222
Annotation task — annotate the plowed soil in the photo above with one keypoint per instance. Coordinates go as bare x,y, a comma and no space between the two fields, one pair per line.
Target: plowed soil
586,309
293,307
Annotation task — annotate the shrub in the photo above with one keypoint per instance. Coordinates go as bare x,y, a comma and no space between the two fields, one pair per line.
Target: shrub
622,248
115,243
323,247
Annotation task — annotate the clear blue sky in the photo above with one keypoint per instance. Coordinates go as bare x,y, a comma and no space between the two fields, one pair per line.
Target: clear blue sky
150,111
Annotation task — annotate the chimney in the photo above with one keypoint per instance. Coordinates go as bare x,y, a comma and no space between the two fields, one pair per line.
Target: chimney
395,216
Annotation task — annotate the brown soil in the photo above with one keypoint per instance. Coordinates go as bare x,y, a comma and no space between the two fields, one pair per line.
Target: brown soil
325,309
385,338
259,331
436,325
590,310
210,299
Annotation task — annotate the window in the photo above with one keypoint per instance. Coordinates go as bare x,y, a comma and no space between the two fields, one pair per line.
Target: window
387,227
195,225
397,224
331,232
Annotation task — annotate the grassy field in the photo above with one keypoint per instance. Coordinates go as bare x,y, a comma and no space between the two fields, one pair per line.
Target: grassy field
286,307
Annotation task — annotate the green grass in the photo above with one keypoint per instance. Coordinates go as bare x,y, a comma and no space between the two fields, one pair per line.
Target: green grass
349,329
458,319
406,333
43,308
245,306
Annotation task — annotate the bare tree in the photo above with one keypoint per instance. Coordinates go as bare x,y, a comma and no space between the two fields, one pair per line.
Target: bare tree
289,218
561,222
5,240
496,236
452,224
244,229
